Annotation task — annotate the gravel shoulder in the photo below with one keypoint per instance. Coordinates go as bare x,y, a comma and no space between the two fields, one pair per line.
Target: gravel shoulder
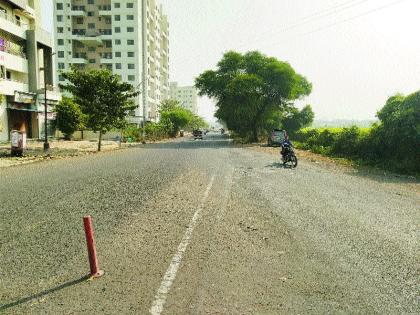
344,166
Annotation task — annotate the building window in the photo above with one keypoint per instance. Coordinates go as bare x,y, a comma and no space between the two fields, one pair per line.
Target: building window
92,60
131,77
79,20
116,5
130,29
91,13
108,44
118,54
117,18
91,25
131,66
130,17
117,66
60,30
60,78
59,6
59,18
117,29
60,42
92,49
130,54
60,54
61,65
91,1
118,42
130,5
130,42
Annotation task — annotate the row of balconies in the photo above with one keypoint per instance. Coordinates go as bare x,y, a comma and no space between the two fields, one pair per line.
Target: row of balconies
81,10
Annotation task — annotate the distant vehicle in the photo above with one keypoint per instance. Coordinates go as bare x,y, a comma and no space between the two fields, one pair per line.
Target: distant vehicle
198,134
276,137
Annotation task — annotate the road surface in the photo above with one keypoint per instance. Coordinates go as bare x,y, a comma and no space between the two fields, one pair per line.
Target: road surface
204,227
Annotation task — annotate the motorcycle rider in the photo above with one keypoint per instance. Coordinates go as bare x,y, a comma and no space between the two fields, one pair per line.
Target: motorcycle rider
285,145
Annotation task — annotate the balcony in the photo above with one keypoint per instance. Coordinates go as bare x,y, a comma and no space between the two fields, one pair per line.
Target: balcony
8,87
106,60
13,26
14,62
87,38
105,34
23,7
78,61
77,11
105,10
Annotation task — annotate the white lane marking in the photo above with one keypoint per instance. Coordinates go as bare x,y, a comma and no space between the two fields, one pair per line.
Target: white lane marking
169,277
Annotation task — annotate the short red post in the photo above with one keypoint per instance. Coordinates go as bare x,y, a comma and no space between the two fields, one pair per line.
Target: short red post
90,240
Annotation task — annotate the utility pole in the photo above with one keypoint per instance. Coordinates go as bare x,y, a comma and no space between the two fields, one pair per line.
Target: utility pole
46,144
144,55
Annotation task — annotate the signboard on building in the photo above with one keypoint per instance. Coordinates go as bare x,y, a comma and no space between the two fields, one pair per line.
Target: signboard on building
24,98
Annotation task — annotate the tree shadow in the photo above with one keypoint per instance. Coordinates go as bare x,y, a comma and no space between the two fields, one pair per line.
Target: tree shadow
43,293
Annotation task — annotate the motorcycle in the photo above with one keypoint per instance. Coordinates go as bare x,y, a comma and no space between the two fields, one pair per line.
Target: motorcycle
288,155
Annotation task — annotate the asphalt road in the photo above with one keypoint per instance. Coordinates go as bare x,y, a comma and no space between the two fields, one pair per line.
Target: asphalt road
204,227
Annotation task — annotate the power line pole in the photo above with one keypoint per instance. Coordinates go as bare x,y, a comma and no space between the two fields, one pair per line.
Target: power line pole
144,55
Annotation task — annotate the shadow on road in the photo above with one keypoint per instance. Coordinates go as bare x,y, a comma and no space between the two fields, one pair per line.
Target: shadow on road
278,165
212,143
43,293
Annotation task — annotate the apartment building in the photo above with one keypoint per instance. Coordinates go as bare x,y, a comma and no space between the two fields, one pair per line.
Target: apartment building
109,34
186,95
25,60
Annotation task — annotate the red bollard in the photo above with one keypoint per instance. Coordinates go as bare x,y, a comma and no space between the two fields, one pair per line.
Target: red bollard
93,259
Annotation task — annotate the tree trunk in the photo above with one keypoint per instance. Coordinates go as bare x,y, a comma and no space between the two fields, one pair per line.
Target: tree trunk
255,134
100,141
82,134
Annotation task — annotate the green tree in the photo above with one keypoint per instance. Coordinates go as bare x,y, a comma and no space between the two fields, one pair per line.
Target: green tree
103,98
197,122
176,119
250,87
69,117
296,119
169,105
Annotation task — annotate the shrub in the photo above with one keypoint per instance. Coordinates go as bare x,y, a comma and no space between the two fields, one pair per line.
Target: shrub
69,117
132,133
347,142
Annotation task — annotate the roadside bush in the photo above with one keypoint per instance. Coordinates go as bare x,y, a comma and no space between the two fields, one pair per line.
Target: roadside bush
156,131
132,134
346,143
69,117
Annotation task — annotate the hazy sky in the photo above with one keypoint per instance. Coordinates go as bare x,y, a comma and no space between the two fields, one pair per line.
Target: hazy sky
356,53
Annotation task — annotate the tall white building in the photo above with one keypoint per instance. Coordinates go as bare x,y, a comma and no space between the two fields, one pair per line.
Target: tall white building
109,34
25,51
185,95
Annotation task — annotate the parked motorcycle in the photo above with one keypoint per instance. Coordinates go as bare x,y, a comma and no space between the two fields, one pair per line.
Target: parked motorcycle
288,155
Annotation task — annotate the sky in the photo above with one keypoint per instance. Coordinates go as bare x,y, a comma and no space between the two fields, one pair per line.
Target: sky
356,53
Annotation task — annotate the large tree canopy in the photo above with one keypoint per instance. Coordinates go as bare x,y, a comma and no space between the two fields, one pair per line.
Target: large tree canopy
249,86
103,98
